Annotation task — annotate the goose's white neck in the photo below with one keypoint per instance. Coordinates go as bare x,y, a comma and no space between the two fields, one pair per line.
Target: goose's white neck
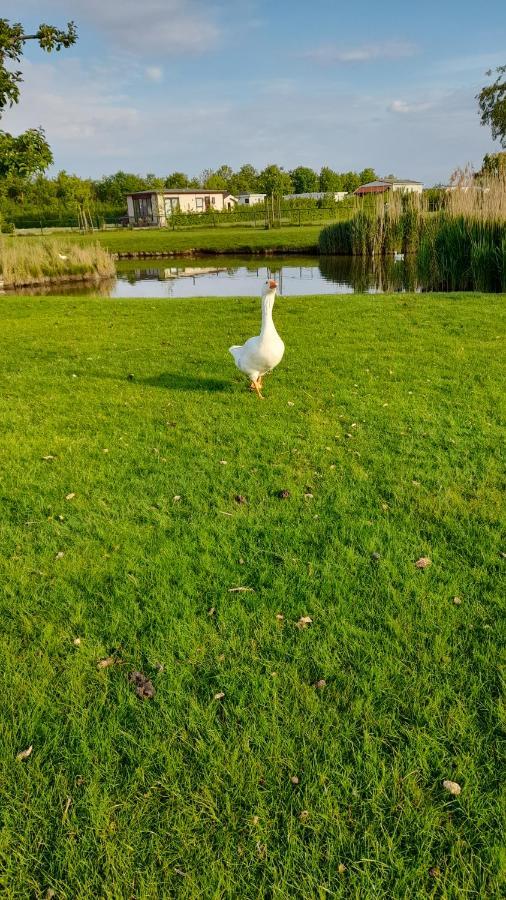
267,305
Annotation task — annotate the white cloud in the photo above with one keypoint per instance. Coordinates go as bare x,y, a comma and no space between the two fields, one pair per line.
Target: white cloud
154,73
78,109
329,54
404,108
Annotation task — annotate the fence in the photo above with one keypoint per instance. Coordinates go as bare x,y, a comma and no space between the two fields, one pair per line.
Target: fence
273,214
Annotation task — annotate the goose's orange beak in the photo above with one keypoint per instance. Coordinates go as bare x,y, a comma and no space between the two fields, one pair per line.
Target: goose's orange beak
272,284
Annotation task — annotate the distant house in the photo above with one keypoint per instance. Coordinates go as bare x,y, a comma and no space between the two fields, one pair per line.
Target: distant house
156,207
250,199
381,186
317,195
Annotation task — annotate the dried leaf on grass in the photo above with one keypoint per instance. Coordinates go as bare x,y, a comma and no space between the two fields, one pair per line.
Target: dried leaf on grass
107,661
241,590
304,621
219,696
284,495
24,754
49,457
320,684
239,498
304,815
457,601
70,496
143,686
279,617
423,563
452,787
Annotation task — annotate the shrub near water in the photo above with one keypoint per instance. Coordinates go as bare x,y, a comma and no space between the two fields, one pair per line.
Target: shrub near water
460,247
33,261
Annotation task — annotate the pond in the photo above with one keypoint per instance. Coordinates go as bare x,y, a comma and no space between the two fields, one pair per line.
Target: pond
224,276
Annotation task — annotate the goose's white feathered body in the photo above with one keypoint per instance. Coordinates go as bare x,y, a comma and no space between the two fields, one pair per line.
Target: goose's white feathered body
264,352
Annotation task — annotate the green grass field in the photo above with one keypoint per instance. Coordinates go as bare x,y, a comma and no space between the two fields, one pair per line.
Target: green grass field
232,239
384,423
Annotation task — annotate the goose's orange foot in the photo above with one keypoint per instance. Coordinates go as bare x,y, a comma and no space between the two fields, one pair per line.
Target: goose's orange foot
257,385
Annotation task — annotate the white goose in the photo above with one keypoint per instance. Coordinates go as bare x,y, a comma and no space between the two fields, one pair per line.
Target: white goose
261,354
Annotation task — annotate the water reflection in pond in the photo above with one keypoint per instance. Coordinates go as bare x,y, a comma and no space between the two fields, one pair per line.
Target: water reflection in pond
223,276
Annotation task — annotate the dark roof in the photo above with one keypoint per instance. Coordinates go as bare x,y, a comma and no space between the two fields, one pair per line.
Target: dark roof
374,188
176,191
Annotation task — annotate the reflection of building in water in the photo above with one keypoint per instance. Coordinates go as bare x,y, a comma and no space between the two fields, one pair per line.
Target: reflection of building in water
188,272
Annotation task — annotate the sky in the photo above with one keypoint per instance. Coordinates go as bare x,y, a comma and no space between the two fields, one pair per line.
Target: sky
183,85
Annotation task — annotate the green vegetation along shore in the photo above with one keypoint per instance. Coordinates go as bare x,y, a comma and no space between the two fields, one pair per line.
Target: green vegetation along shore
256,562
234,239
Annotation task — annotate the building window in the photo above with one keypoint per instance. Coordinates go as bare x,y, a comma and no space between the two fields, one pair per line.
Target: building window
143,209
213,200
199,204
171,205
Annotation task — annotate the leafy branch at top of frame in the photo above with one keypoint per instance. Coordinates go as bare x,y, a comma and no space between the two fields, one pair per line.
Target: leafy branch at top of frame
12,40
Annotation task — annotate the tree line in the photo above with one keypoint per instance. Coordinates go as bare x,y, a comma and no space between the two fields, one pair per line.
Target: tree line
19,190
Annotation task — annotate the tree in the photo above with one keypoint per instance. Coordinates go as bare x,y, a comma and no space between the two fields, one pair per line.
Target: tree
330,180
177,180
12,41
70,190
351,181
25,155
273,180
367,175
245,181
28,153
114,188
305,180
492,105
493,164
153,181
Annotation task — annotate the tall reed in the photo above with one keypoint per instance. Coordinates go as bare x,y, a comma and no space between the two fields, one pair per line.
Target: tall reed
30,260
460,246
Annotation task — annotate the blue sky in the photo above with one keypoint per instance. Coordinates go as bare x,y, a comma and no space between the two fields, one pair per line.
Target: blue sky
164,85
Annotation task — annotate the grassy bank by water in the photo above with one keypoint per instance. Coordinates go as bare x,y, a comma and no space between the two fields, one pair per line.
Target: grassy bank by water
38,260
279,757
234,239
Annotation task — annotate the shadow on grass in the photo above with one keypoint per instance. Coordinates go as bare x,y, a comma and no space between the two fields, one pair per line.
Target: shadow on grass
179,381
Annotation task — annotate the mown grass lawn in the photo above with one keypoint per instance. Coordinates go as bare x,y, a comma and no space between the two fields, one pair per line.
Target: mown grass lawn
232,239
384,424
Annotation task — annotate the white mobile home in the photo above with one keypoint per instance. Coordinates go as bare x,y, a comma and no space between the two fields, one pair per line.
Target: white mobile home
250,199
156,207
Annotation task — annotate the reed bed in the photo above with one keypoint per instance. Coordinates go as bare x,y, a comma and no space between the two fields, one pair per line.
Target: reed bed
31,261
460,246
